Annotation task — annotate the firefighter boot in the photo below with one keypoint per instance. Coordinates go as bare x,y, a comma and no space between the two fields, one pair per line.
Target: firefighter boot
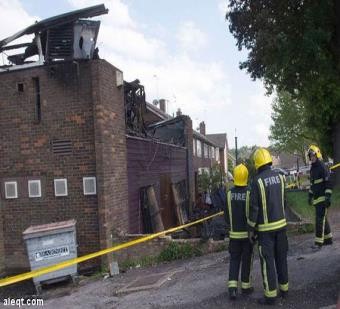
232,293
270,301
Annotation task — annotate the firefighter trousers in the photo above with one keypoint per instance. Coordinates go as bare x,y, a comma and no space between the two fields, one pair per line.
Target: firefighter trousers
322,228
241,253
273,247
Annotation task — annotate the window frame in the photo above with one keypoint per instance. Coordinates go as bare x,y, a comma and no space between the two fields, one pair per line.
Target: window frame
34,181
66,188
16,189
95,185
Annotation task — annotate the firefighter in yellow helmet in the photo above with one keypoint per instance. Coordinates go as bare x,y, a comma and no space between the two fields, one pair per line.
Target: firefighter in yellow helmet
320,196
240,248
267,219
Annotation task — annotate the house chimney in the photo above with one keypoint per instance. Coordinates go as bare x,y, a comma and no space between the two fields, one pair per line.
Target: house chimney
179,112
162,105
202,128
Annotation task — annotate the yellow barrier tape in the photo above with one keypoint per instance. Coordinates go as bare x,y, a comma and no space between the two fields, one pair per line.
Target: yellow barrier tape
335,166
291,185
48,269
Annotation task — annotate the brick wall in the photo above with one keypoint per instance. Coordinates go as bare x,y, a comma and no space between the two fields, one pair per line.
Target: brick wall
26,153
2,250
81,103
188,132
110,144
199,162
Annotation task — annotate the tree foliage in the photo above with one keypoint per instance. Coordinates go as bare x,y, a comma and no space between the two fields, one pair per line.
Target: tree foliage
290,132
245,156
292,47
210,181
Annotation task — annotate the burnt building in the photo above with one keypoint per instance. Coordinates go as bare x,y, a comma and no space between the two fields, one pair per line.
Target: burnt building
63,147
77,142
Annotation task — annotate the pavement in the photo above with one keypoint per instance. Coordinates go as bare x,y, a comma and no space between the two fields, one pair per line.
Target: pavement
314,282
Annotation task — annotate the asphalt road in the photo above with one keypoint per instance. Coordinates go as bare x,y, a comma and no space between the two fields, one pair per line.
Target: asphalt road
201,282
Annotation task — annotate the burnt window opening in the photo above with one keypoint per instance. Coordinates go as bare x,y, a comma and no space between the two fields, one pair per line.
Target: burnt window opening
36,84
81,42
20,87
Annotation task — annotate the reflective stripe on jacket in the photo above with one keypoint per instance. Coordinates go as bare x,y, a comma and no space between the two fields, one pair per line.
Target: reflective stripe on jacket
237,211
320,184
267,201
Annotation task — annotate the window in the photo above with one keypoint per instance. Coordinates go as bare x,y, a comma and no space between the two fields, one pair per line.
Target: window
206,151
34,188
89,185
60,187
194,147
11,189
36,84
199,148
212,152
217,154
20,87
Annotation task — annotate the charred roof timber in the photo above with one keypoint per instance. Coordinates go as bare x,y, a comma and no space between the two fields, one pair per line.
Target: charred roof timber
62,37
135,107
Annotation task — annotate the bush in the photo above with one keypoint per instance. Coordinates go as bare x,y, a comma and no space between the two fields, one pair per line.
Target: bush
177,251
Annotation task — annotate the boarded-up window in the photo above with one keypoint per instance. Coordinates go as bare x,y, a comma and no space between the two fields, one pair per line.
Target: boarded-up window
152,220
181,199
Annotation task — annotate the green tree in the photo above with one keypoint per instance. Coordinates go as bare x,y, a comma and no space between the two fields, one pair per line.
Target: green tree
209,181
244,152
290,132
230,165
294,46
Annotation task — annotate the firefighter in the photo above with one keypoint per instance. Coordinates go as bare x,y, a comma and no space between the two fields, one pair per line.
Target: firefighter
240,248
267,219
320,196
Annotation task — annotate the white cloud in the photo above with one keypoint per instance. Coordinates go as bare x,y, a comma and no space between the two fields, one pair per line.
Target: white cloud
259,110
191,37
192,85
118,12
13,18
262,133
223,7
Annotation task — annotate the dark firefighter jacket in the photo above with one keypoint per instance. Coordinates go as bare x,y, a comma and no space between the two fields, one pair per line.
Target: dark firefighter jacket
267,201
320,184
236,212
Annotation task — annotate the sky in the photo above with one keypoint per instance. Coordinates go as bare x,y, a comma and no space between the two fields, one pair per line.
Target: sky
181,51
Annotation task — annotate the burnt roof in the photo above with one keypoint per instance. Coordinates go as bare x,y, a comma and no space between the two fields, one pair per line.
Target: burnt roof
57,21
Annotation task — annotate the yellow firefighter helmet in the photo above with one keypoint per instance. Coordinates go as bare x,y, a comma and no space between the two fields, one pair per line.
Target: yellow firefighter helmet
314,150
240,175
262,157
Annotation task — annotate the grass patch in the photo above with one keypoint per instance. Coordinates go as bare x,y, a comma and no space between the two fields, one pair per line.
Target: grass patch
177,251
174,251
299,202
142,262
